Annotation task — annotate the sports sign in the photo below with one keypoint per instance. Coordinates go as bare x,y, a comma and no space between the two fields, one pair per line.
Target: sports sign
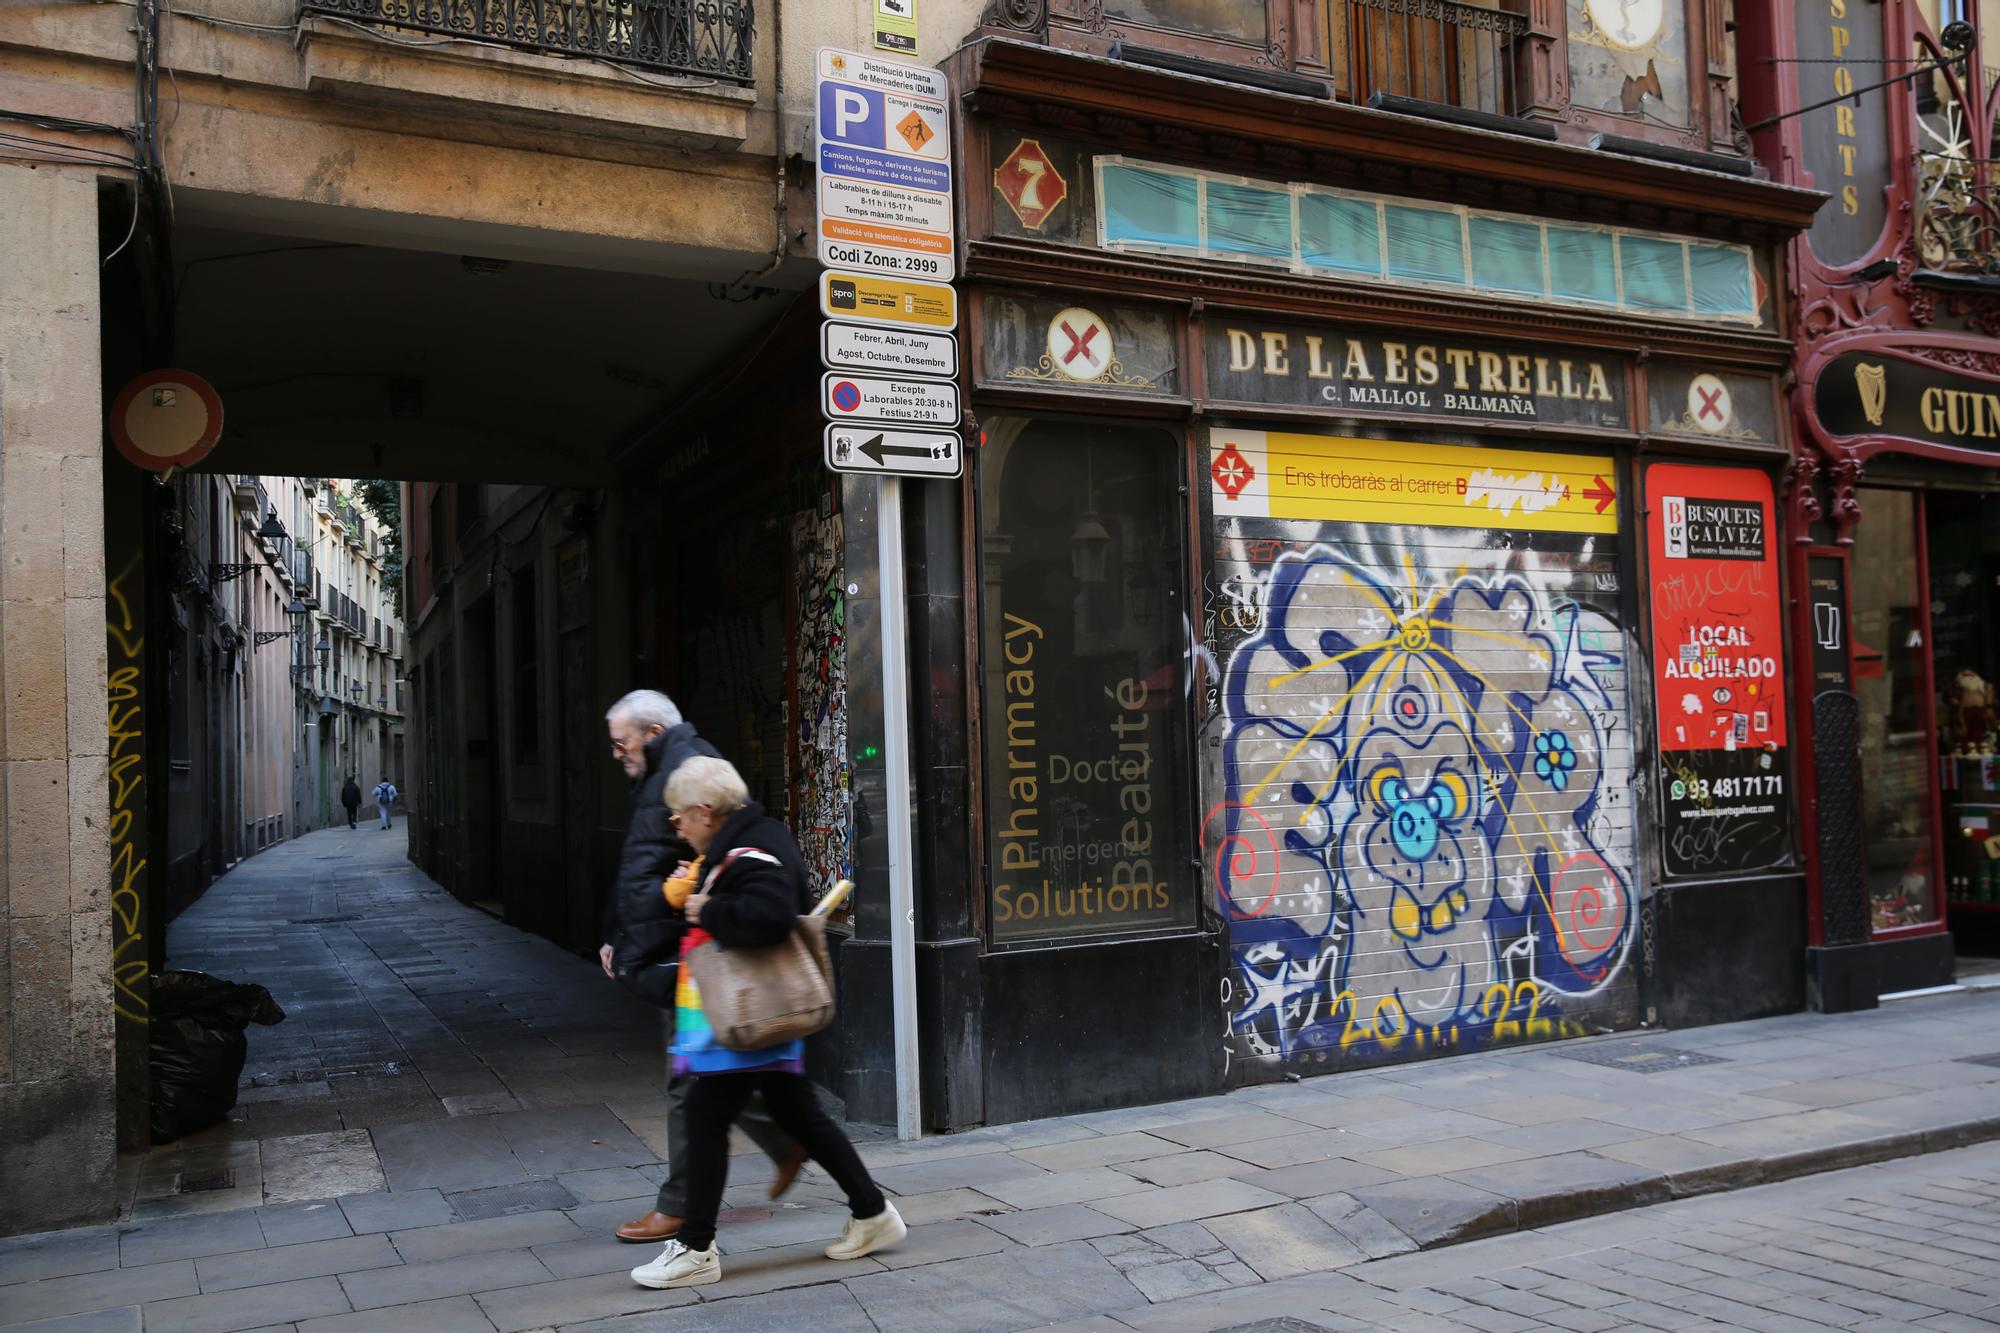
884,151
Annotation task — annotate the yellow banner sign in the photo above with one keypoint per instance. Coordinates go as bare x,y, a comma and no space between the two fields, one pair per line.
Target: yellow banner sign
904,302
1271,474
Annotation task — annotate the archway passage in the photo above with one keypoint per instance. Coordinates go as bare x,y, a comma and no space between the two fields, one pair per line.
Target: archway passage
564,481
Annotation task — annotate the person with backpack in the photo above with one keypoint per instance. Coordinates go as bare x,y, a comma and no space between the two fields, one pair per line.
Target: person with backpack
385,800
746,890
350,796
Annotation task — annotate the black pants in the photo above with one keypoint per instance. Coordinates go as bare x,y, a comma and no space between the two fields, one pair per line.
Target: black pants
714,1102
754,1120
352,811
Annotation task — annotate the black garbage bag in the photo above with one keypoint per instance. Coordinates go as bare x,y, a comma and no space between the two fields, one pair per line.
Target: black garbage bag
198,1047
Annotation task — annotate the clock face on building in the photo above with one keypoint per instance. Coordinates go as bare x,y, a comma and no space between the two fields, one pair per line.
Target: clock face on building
1630,24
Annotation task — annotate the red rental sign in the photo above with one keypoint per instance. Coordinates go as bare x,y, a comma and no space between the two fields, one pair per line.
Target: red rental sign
1718,667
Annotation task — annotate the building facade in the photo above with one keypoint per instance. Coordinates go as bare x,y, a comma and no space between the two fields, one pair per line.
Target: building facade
1360,634
343,216
1897,330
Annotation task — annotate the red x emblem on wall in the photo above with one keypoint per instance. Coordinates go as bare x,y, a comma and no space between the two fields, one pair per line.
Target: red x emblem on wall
1708,403
1079,345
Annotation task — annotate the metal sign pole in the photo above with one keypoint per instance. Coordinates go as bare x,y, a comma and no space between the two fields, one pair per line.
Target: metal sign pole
896,756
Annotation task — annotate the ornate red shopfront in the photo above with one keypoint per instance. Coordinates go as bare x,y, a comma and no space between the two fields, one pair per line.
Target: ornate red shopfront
1893,496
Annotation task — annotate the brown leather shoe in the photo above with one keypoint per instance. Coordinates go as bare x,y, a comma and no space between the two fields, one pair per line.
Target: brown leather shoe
653,1226
788,1171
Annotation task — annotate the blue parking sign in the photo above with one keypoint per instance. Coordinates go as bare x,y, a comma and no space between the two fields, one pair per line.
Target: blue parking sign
852,115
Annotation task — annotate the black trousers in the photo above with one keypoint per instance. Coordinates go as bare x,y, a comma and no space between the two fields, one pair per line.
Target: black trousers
714,1102
352,811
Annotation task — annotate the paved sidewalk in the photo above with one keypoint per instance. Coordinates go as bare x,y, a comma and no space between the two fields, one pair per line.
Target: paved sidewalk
433,1199
1898,1247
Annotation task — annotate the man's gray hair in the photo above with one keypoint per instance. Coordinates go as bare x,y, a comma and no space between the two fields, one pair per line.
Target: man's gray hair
645,708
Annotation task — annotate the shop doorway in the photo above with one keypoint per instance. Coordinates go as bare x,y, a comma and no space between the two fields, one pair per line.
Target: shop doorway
1926,654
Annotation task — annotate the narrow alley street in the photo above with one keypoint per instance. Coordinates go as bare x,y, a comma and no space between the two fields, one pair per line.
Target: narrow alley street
454,1116
406,1013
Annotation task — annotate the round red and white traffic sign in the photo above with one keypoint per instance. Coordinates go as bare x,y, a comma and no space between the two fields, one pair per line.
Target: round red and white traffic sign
166,419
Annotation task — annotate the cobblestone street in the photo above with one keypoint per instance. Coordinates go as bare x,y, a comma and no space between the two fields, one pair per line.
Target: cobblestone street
1902,1245
454,1116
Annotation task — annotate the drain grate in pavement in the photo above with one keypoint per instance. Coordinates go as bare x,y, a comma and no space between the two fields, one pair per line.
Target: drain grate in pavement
1283,1324
1639,1057
200,1182
325,920
1993,1059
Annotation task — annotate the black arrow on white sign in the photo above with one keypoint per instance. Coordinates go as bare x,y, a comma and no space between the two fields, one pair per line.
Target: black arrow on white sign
879,451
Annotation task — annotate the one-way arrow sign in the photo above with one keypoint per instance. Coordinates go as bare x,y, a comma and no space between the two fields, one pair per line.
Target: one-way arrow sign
903,453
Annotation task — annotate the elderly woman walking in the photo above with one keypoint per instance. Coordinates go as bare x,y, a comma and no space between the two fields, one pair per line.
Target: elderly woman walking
746,890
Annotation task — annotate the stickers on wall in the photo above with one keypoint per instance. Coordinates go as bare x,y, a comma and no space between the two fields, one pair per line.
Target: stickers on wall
1718,668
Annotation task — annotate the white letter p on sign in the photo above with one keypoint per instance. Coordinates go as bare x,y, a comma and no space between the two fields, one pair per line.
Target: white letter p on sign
848,108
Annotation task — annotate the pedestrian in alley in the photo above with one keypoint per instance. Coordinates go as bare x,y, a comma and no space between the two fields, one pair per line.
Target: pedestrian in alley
746,891
642,934
350,796
385,800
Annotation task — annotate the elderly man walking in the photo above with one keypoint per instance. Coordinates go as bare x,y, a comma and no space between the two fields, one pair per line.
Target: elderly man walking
642,934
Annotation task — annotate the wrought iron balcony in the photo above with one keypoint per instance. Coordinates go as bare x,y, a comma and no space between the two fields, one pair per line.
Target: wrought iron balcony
1958,215
709,38
1445,51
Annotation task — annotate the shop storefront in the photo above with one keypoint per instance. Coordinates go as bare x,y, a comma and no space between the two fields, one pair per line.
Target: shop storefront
1901,551
1377,651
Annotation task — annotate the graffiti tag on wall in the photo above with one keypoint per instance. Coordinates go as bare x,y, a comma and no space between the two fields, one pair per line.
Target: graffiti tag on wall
126,643
1425,834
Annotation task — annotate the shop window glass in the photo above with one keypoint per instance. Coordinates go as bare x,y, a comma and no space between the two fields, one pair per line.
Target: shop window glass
1154,208
1340,233
1085,693
1583,264
1890,659
1247,220
1425,244
1507,255
1655,272
1721,278
1963,535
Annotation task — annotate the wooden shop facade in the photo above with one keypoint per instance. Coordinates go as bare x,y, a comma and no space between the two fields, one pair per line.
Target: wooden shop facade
1369,575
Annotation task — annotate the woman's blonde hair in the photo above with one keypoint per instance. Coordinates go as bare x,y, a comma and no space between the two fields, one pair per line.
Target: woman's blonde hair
707,780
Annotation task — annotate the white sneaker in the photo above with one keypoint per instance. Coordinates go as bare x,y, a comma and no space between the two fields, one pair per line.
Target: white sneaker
678,1266
865,1235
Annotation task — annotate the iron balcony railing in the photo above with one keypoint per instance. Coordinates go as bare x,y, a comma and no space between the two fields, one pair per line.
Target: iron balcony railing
711,38
1958,214
1436,50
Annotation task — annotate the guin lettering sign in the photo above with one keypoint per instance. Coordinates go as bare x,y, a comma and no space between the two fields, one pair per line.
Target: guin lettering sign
1863,394
1351,370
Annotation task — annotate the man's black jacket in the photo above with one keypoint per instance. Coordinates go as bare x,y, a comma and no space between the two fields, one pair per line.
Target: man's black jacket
645,933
